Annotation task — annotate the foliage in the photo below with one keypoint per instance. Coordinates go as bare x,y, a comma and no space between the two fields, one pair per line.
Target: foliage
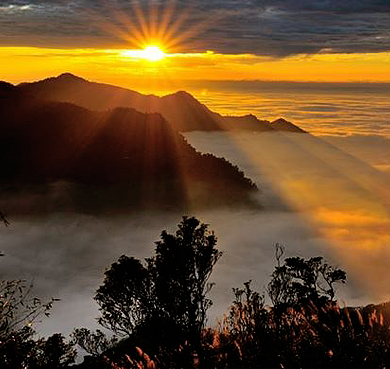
182,267
331,337
126,297
18,348
95,343
160,305
243,336
17,308
53,352
298,281
165,295
305,333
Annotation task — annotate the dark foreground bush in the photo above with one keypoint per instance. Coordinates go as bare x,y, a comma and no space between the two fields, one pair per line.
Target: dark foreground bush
159,306
18,346
157,312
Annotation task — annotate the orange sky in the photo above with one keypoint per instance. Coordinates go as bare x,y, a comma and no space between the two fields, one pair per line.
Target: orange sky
118,67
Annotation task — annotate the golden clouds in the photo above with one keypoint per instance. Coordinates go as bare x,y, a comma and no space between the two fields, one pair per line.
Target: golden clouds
111,65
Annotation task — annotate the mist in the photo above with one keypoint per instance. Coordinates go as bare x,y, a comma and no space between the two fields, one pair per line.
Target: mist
66,257
317,200
334,186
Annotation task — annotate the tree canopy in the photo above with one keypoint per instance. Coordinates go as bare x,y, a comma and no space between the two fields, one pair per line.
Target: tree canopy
297,281
167,293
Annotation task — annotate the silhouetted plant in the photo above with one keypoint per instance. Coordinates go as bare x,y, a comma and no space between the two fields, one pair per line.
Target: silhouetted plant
162,303
244,332
18,348
182,267
126,297
299,281
3,219
94,343
20,351
296,332
53,352
18,308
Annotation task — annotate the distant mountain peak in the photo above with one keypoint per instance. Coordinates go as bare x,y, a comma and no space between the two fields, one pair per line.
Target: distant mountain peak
69,77
181,109
180,94
183,93
282,124
280,120
251,117
64,78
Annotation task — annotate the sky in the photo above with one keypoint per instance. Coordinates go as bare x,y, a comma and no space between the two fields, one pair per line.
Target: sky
301,40
224,40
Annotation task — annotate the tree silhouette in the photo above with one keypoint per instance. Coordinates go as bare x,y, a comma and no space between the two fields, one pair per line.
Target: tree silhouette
126,297
94,343
303,328
18,348
162,302
182,266
298,281
18,312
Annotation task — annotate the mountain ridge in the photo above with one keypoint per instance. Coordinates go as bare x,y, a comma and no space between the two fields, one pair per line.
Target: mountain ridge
115,159
182,110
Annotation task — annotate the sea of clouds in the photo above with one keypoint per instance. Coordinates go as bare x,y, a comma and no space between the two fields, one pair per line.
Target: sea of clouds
325,194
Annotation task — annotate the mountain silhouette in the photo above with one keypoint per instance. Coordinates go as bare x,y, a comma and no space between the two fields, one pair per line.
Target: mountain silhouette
181,109
284,125
6,87
119,157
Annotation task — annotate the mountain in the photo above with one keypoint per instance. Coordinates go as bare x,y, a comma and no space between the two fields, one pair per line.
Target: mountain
116,159
6,87
284,125
181,109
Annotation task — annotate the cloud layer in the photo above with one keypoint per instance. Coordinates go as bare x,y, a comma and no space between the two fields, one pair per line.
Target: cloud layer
261,27
315,203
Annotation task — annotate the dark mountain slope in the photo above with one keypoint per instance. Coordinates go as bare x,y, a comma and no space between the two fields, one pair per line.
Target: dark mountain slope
6,87
181,109
121,157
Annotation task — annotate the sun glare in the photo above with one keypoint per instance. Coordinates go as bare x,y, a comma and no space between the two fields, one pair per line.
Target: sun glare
152,53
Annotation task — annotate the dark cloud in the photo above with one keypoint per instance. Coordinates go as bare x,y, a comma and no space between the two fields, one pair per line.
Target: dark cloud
262,27
332,6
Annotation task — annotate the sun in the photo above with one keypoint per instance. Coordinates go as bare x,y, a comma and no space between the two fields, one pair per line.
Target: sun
153,53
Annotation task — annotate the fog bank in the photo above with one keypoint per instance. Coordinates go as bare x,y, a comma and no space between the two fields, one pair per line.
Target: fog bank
317,200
